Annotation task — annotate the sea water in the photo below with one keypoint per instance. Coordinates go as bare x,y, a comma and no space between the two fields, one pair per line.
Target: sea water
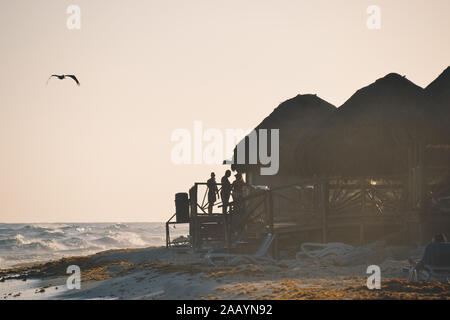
27,243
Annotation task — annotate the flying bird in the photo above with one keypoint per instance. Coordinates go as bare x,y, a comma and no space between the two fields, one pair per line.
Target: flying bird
63,76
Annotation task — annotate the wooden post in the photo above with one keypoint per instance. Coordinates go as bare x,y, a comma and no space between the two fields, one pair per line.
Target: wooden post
363,211
167,235
275,252
361,234
420,231
227,225
315,195
363,197
270,208
421,175
325,198
409,189
271,226
226,231
168,230
193,228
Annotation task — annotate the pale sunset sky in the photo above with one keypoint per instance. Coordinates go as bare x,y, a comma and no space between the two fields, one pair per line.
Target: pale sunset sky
101,152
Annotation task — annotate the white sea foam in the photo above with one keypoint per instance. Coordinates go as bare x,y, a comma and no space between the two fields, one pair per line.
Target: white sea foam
25,243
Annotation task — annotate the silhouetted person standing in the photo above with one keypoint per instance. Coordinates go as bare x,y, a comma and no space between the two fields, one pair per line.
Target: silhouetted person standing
212,192
238,192
238,187
225,192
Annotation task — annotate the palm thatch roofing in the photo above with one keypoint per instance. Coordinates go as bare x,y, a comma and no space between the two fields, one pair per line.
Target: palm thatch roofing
371,133
295,118
438,96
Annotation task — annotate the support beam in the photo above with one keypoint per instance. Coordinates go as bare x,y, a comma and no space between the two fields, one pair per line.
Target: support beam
193,225
324,199
270,210
362,236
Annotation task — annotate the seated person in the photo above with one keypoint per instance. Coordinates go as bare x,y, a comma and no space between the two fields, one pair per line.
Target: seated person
437,253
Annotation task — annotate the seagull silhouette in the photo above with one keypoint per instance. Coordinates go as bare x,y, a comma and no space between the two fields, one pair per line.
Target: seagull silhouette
63,76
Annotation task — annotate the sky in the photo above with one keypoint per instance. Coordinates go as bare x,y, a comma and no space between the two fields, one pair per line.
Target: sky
101,152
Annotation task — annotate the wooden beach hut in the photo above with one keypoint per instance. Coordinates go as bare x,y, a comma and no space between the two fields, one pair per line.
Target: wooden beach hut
376,168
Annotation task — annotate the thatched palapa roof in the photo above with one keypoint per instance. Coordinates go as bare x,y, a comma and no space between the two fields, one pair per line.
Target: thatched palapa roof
296,118
370,133
438,96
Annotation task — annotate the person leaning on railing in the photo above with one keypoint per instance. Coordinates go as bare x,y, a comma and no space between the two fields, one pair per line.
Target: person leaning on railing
225,192
212,192
238,192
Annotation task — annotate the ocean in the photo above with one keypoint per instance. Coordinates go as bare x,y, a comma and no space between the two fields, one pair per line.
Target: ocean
26,243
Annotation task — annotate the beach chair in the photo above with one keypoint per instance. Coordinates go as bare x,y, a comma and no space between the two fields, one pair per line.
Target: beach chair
429,273
436,266
436,273
259,256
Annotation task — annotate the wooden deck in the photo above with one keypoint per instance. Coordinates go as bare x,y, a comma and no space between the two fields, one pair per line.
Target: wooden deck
352,210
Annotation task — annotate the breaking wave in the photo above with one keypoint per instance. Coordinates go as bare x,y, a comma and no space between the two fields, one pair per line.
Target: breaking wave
25,243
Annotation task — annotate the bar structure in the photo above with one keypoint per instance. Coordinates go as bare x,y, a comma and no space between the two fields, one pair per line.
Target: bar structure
355,210
376,168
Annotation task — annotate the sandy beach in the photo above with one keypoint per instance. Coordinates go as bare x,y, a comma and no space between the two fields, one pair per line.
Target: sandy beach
224,150
160,273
